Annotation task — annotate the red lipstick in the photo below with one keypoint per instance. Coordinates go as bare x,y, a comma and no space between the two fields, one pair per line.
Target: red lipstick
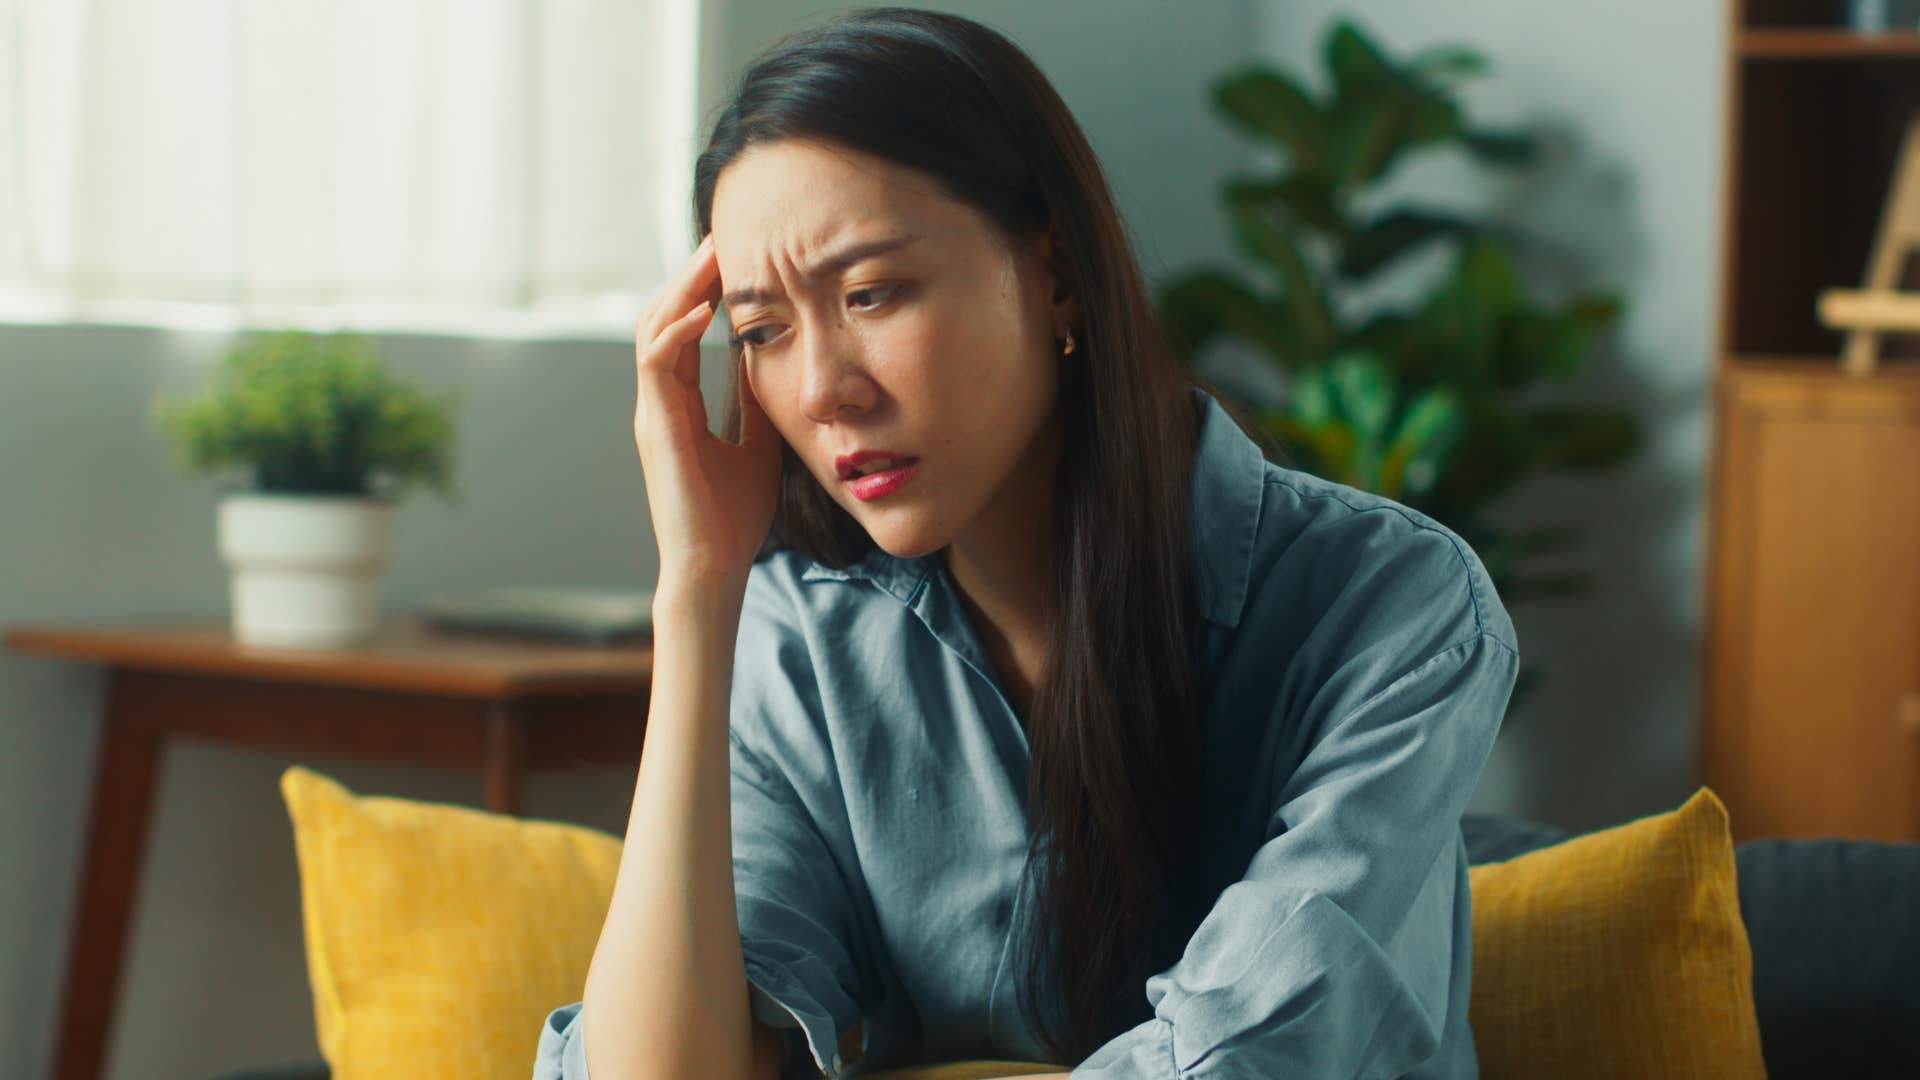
874,485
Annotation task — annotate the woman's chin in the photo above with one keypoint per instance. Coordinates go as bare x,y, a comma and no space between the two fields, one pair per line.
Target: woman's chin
901,540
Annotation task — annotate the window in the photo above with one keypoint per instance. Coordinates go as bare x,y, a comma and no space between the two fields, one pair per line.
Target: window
452,166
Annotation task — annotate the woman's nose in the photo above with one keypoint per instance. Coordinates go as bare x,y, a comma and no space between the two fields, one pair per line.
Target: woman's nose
834,381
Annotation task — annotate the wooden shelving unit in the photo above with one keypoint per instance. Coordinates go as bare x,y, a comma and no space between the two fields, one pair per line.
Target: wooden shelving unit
1810,722
1789,43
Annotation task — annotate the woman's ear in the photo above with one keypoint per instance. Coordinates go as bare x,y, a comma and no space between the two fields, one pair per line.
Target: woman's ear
1064,296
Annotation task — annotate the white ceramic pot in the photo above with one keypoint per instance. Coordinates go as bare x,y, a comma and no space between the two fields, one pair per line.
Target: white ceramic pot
307,570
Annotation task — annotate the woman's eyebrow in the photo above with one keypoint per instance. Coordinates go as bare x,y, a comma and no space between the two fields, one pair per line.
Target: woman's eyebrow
834,263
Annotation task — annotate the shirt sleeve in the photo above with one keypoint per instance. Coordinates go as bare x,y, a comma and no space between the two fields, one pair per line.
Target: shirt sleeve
805,920
1333,955
797,933
798,893
792,938
562,1051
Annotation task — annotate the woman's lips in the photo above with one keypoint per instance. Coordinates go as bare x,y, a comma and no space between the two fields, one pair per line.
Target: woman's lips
875,485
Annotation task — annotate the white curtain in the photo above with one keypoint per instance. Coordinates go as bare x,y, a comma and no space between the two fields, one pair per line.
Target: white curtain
438,159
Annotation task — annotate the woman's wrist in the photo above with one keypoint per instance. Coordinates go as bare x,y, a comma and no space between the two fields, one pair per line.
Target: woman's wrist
682,596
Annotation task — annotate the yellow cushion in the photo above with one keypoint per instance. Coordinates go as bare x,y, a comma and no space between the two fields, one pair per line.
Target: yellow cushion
1617,953
439,937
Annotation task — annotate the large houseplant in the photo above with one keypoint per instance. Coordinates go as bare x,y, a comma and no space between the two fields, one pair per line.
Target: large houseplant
1444,404
330,443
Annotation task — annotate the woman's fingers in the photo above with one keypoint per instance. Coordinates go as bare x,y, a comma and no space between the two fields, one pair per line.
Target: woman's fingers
698,277
662,407
756,427
687,362
663,352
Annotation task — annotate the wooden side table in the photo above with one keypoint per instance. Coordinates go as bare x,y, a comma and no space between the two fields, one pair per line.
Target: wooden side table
501,705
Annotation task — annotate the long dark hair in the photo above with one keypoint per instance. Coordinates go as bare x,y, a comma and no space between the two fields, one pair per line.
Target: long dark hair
1115,730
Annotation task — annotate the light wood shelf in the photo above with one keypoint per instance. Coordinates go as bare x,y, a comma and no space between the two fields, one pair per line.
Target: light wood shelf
1794,43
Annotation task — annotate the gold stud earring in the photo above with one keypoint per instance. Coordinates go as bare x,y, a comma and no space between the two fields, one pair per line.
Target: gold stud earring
1069,349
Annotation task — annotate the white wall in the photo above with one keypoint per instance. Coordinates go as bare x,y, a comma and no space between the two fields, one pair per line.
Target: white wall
97,526
1629,95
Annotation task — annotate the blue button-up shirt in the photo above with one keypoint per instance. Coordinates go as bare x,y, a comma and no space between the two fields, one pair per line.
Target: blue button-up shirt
1361,664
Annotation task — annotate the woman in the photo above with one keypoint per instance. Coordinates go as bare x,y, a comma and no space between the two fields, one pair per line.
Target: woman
1076,733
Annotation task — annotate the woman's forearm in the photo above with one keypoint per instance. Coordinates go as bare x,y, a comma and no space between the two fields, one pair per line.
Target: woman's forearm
666,993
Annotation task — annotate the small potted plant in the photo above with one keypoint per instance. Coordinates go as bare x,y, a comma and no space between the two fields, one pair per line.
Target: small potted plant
332,443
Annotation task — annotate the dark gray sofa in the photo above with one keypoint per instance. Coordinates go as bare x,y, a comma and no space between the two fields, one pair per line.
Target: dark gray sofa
1835,930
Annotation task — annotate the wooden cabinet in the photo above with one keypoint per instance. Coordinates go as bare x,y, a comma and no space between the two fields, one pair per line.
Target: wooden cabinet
1811,682
1814,702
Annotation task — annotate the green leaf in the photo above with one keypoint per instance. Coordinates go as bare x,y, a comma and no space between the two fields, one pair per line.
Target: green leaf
1488,279
1582,437
1551,344
1447,64
1310,397
1430,419
1395,234
1306,197
1269,105
1366,136
1501,148
1540,346
1379,109
1363,394
1262,237
1394,336
1413,459
1198,306
1596,311
1432,118
1330,448
1469,311
1494,450
1358,66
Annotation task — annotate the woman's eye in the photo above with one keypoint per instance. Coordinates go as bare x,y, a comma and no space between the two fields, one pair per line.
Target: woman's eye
885,290
747,337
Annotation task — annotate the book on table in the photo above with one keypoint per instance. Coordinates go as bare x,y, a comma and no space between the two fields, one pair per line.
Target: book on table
574,613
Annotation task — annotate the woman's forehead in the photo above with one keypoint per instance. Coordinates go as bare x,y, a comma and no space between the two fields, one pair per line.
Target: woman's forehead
832,260
806,212
808,190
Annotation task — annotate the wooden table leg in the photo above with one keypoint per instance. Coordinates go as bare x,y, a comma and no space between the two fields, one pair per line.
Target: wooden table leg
506,753
132,740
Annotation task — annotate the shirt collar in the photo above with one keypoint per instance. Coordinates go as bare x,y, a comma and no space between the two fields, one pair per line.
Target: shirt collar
1229,475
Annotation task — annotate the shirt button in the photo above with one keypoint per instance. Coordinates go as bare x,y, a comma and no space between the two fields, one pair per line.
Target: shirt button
836,1065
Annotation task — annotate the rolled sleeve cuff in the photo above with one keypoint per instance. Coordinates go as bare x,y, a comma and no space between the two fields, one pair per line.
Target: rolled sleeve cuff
1142,1052
778,1000
562,1051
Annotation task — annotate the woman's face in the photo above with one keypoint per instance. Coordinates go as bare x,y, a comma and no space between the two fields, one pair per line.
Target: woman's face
940,348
